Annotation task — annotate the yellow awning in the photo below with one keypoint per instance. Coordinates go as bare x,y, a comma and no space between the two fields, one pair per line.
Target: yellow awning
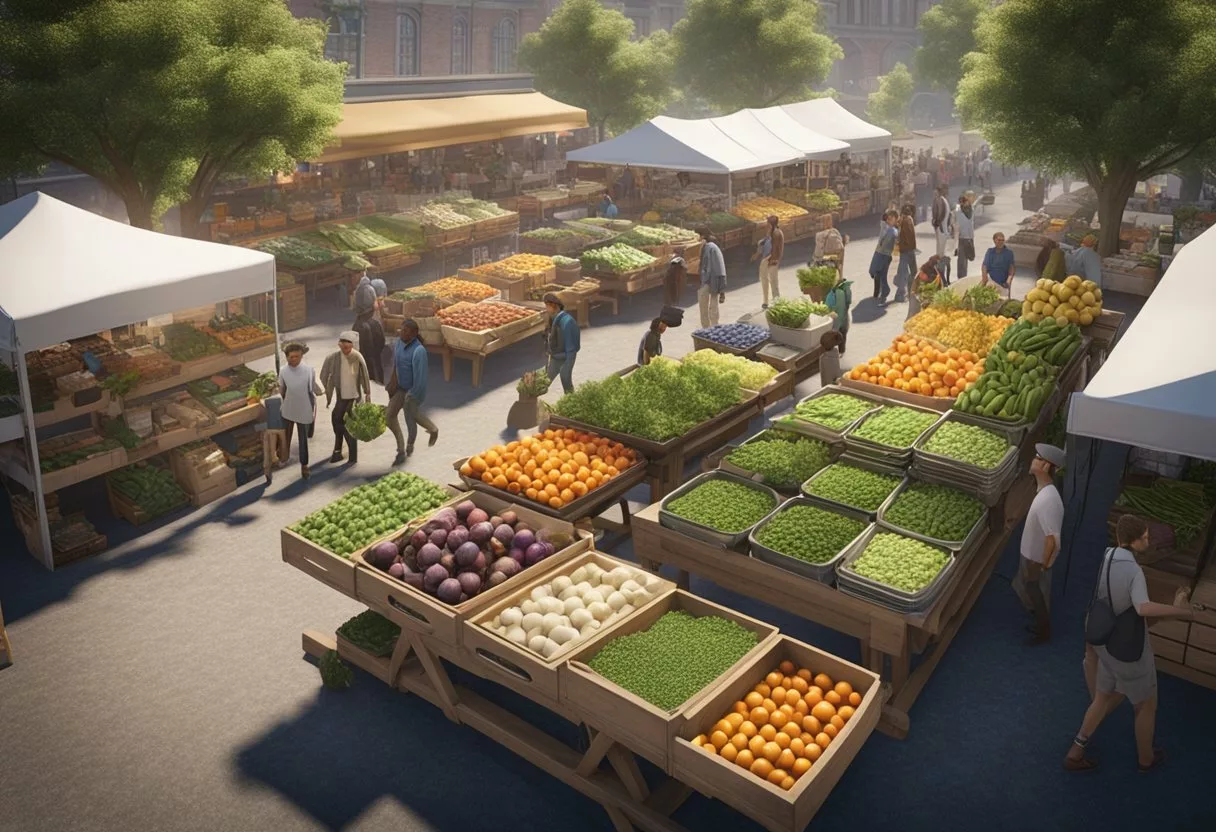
373,128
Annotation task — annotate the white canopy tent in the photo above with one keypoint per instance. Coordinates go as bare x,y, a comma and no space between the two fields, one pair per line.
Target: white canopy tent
774,132
1157,389
67,273
826,116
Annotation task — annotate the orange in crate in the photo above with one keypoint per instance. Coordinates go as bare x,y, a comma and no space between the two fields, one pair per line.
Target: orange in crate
918,366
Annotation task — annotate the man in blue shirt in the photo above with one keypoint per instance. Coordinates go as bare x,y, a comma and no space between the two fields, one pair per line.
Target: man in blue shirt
880,263
407,390
998,265
564,342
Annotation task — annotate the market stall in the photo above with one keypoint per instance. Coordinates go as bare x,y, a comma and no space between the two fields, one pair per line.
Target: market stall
109,276
1155,394
863,176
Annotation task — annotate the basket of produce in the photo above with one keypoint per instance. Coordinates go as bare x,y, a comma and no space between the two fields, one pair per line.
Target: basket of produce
855,484
779,783
431,576
365,421
635,678
936,514
737,339
799,322
748,374
239,333
918,372
804,537
472,326
616,260
528,270
568,605
717,507
600,469
358,237
779,459
451,290
888,434
567,270
441,225
899,572
828,413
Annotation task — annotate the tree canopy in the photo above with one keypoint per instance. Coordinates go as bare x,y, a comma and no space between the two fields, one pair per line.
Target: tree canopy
157,99
1116,90
737,54
888,105
948,33
583,55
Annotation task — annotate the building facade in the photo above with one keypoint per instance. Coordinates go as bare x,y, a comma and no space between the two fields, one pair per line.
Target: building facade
875,35
385,38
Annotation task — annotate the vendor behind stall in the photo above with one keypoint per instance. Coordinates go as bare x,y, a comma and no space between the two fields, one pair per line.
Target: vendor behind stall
1085,262
652,343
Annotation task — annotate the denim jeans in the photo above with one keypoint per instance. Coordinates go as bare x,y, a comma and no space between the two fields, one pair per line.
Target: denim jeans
905,273
880,264
563,368
402,403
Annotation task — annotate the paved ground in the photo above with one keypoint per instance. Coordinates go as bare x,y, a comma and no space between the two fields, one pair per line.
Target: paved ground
161,685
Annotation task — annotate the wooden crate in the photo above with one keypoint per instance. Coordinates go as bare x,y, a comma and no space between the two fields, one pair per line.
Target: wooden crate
293,307
632,721
122,507
769,805
415,610
520,669
1203,661
327,567
210,495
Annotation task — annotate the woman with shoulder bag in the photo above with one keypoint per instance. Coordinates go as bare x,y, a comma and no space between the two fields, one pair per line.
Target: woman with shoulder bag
1118,631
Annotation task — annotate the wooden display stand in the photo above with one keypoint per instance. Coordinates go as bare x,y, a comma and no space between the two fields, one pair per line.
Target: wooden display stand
477,357
1183,648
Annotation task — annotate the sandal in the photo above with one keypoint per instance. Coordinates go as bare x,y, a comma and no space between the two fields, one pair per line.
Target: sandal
1158,759
1081,764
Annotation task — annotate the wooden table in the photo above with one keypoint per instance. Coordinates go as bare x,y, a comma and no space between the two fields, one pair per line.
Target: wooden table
477,357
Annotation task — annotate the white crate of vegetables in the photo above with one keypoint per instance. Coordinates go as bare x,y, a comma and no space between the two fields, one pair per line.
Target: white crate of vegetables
521,640
432,576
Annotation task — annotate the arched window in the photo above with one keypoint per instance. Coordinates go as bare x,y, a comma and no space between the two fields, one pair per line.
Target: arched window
460,46
407,44
345,40
504,45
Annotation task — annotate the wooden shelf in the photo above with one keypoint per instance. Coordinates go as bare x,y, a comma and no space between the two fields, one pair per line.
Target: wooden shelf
65,410
201,368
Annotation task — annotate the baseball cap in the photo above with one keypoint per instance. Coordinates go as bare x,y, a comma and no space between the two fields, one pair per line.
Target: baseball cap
1050,453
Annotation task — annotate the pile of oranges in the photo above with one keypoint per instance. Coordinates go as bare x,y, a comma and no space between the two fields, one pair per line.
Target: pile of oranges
780,729
553,468
917,366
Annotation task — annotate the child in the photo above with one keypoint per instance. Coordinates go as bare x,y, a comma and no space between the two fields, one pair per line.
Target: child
829,361
274,437
927,280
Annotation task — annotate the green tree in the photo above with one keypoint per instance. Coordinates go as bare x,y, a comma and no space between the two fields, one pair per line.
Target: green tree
1116,90
157,99
737,54
583,55
947,34
888,105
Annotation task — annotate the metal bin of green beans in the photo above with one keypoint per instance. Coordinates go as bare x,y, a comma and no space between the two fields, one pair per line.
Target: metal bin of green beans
808,538
733,504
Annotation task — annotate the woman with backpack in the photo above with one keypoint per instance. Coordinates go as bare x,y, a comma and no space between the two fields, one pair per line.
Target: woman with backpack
1116,628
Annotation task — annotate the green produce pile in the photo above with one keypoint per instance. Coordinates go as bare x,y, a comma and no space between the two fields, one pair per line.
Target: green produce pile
369,512
834,411
185,343
823,277
399,229
371,631
850,486
968,443
561,260
365,421
616,258
660,401
935,511
793,313
120,384
67,459
748,374
297,252
720,221
900,562
1178,504
725,506
355,237
894,426
118,430
237,322
334,674
1204,472
811,534
784,460
676,658
266,384
474,209
1048,340
981,298
592,229
151,488
643,236
1020,370
556,235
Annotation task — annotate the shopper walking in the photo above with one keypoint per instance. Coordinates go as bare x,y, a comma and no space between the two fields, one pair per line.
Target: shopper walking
345,373
1040,542
1117,630
941,228
299,389
880,263
998,265
907,253
713,280
830,243
964,234
407,390
564,342
770,251
673,282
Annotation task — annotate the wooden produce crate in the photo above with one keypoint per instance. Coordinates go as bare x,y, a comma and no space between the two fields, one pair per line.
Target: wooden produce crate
630,720
733,237
293,307
627,283
329,568
463,339
446,238
414,610
753,796
522,670
121,506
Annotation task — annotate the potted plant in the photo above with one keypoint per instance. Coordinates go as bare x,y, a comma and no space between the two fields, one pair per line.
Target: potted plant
817,280
525,413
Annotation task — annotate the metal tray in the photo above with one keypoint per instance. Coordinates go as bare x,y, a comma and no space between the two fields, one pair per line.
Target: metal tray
835,449
956,546
705,533
987,480
821,432
988,496
824,572
1011,452
856,463
847,580
851,440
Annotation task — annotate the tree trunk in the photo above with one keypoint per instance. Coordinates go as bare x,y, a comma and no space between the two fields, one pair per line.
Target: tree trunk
139,207
1192,184
191,214
1112,200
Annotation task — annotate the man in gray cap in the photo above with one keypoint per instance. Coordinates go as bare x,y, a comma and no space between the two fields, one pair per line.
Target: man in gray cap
1041,541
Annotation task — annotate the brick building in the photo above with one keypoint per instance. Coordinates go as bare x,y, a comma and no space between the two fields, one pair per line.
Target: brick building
383,38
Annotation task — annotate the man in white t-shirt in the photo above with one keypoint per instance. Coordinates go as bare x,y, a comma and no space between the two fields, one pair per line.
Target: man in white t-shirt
1041,541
